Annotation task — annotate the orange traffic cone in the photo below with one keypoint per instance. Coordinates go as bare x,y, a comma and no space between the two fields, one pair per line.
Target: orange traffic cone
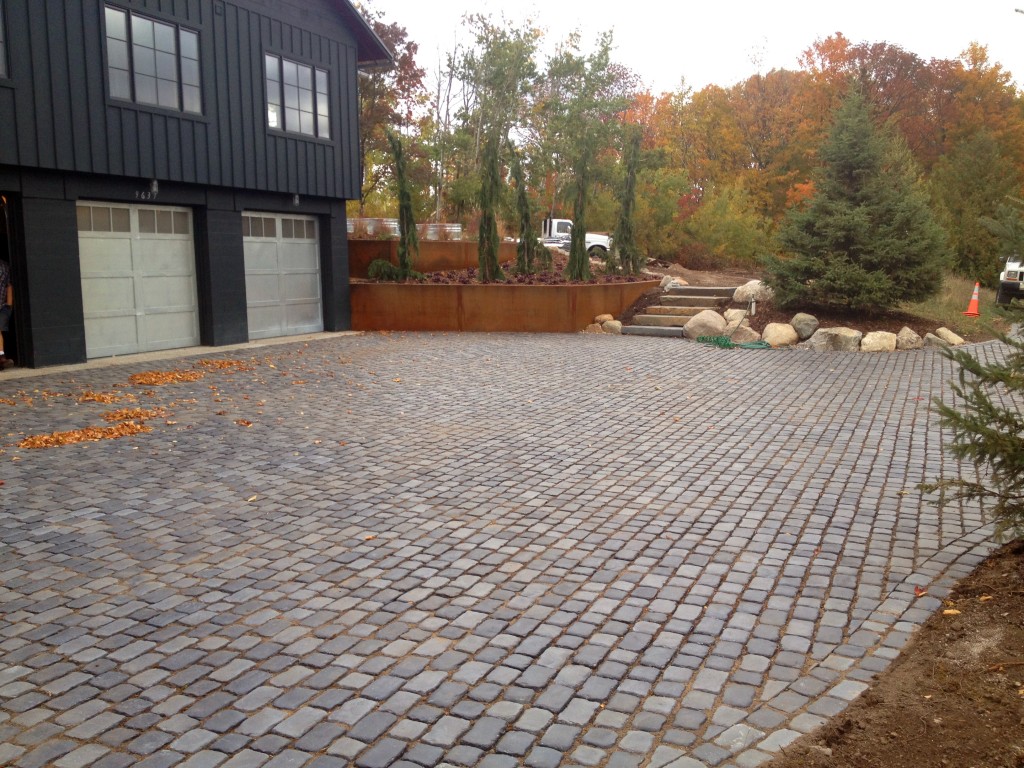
972,306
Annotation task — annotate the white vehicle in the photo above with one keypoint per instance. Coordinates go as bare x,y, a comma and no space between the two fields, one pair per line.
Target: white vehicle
557,232
1011,281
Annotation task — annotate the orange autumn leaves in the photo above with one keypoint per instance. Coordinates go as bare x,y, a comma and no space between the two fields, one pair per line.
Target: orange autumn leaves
131,421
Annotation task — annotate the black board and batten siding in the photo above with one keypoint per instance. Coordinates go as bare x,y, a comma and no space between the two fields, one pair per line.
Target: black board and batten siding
55,112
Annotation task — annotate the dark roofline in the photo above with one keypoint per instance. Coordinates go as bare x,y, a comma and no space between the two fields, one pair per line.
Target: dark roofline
371,53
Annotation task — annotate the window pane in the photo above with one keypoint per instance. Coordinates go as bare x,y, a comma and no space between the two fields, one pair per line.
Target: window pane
291,119
245,226
256,226
193,99
145,89
321,81
84,218
311,230
166,66
120,220
164,223
287,229
147,221
190,72
144,60
291,97
116,25
273,116
120,84
305,77
167,94
181,223
273,68
189,44
306,123
117,54
291,72
270,227
142,31
165,38
323,127
100,219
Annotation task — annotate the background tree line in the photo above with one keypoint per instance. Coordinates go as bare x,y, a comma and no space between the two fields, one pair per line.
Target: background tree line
718,170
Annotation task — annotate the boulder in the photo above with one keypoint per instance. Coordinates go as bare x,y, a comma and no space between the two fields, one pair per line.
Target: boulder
743,334
907,338
611,326
735,316
755,290
706,323
666,281
593,328
805,325
601,319
949,337
931,341
780,335
878,341
839,339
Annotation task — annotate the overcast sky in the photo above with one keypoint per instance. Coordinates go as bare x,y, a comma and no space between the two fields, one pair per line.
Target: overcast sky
726,42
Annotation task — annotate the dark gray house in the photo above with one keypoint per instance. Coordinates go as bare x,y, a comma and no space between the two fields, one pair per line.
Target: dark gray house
174,172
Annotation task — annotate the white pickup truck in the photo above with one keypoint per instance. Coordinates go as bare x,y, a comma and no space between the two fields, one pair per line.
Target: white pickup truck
1011,281
557,232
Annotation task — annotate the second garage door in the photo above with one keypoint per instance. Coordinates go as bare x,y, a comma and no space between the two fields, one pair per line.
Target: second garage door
282,275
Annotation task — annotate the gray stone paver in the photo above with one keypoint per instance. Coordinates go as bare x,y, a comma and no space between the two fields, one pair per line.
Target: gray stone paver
467,550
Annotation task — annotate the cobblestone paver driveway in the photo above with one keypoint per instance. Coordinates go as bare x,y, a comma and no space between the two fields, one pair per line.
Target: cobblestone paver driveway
466,550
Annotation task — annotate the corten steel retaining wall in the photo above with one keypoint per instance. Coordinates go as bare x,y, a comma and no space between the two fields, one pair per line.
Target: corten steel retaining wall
489,308
434,255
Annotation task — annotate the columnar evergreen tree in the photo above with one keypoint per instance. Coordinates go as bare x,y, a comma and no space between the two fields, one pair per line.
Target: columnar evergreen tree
408,241
490,189
867,240
624,242
529,246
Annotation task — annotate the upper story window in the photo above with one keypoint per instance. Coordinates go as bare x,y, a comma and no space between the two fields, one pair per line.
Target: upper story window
151,62
3,42
298,99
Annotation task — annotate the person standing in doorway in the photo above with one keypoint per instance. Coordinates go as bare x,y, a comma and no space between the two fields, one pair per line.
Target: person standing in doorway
7,297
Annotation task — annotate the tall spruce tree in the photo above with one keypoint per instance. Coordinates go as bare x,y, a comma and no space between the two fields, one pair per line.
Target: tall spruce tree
624,243
490,189
867,240
408,240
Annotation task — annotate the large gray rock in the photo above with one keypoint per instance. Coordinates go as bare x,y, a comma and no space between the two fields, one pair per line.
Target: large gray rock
805,325
754,290
907,338
668,281
743,334
839,339
706,323
931,341
878,341
949,337
780,335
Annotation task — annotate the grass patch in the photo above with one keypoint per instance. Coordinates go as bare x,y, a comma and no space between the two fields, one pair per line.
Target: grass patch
948,305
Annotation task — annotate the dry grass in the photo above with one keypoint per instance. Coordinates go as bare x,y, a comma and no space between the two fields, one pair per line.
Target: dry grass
948,305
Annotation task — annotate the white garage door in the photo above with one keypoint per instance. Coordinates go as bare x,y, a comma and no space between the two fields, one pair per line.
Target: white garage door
138,278
282,275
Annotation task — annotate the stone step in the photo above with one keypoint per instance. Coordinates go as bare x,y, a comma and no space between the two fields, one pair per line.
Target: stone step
686,300
652,330
677,321
661,309
720,291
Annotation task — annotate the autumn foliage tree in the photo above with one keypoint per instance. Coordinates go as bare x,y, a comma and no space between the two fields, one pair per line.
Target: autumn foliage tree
867,239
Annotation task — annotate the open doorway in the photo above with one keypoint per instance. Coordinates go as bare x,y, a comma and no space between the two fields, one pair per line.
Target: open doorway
7,255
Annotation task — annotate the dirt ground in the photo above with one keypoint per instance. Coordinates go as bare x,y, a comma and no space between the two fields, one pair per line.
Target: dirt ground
955,695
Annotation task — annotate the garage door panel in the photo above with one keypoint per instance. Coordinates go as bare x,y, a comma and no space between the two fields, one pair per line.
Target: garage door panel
117,335
282,277
167,330
167,292
104,295
111,255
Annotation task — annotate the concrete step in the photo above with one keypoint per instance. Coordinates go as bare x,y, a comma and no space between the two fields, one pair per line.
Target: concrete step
660,309
677,321
720,291
686,300
652,330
